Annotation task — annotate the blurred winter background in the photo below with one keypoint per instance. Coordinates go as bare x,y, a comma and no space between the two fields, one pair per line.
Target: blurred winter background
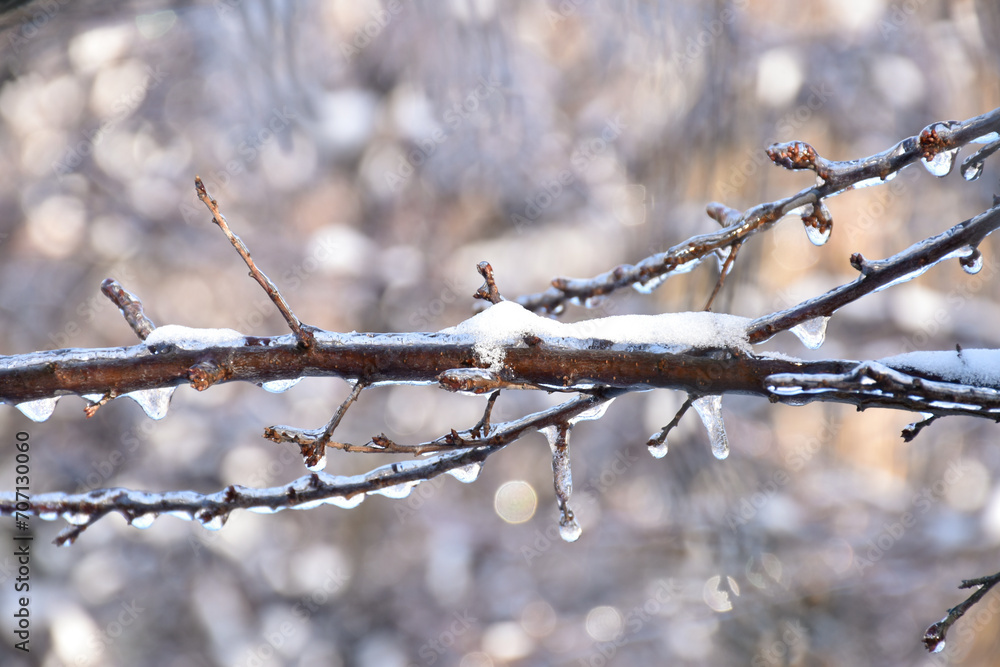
370,154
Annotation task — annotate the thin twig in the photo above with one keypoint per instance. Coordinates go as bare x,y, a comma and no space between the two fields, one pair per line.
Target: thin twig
661,437
723,272
835,177
935,636
130,307
304,336
489,291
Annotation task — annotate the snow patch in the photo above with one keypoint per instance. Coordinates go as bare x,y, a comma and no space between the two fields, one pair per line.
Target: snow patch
187,338
507,323
979,368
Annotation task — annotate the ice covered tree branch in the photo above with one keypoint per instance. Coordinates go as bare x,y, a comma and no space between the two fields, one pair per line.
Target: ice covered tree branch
936,145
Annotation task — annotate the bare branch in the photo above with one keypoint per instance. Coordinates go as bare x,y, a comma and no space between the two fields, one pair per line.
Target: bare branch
935,636
488,291
304,336
130,307
835,177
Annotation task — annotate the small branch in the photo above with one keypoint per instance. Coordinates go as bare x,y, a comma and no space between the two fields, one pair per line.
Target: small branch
657,442
489,291
835,177
130,307
483,426
877,275
935,636
308,491
727,266
304,336
913,430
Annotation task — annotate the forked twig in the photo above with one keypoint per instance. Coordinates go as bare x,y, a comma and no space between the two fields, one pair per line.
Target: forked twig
934,638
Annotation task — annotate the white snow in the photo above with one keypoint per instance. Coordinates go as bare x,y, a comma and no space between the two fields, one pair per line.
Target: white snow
187,338
979,368
507,323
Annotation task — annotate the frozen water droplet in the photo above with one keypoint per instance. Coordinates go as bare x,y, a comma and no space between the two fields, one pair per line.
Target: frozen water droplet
940,165
973,262
347,503
397,491
279,386
812,332
48,516
154,402
181,514
215,523
569,529
818,224
40,410
467,474
658,450
710,410
650,285
972,169
320,464
77,518
143,521
595,412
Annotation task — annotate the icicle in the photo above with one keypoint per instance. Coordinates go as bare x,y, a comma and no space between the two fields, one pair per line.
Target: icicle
940,165
77,518
215,523
818,224
710,410
972,169
320,464
595,412
657,449
812,332
154,402
972,263
279,386
143,521
650,285
347,503
396,491
39,410
467,474
562,476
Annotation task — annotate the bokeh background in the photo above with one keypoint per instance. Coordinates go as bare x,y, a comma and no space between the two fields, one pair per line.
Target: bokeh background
370,154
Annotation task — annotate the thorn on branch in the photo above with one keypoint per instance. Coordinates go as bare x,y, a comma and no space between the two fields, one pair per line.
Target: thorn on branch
130,307
303,334
488,291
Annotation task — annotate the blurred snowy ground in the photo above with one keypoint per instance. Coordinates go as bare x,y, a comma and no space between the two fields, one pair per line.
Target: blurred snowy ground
370,154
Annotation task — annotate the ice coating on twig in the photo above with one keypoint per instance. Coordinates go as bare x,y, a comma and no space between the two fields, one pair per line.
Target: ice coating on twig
710,410
562,476
39,410
812,332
